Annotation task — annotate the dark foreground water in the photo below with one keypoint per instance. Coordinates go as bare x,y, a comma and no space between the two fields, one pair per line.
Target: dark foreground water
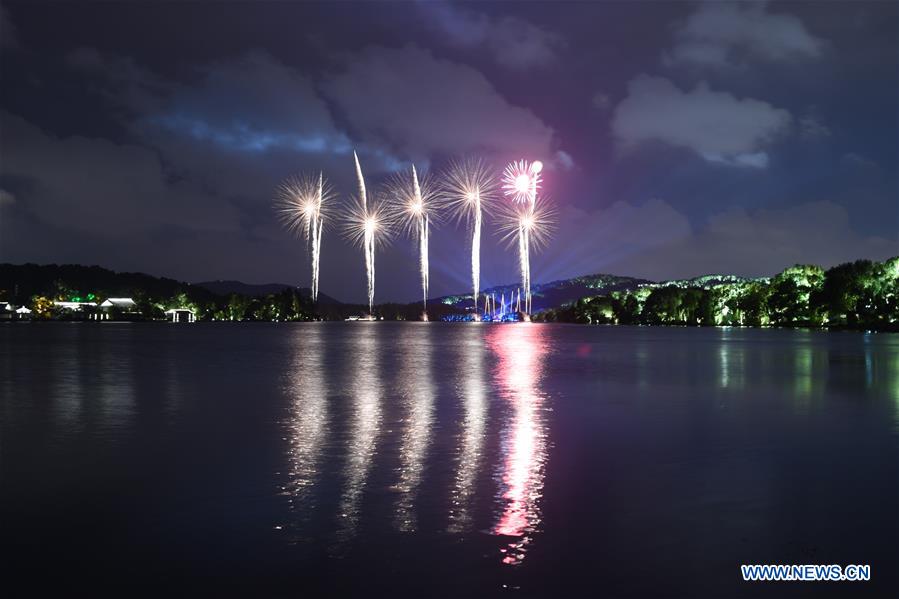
379,459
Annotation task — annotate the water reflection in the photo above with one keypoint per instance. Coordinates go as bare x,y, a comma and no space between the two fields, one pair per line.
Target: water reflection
68,386
520,350
731,361
115,390
174,385
366,423
473,389
93,387
307,427
869,370
891,382
417,392
809,372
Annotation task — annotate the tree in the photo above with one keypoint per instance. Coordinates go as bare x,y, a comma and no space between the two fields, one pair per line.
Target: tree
843,287
752,304
237,307
710,307
663,306
791,290
625,307
691,306
41,307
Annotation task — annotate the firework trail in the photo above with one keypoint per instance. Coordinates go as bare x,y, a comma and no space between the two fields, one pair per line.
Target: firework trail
300,202
369,238
422,217
523,260
415,202
470,189
521,182
317,236
366,226
526,219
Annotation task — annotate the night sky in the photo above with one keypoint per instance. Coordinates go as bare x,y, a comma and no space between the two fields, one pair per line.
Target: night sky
680,138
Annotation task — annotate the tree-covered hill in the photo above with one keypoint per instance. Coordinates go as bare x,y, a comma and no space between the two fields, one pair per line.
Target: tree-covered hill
38,286
554,293
861,295
20,282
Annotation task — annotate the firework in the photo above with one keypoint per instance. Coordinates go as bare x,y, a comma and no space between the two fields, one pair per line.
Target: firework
528,227
470,188
415,202
526,218
521,181
367,225
301,202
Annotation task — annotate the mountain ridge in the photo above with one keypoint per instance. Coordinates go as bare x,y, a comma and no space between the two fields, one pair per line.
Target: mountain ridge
550,294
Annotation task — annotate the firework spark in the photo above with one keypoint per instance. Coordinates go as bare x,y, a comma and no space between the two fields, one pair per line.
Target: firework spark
367,225
416,201
301,202
521,181
470,188
526,219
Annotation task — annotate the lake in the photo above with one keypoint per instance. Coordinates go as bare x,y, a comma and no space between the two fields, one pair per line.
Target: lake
422,459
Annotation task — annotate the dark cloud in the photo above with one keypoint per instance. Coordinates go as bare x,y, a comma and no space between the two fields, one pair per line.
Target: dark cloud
263,105
726,34
602,101
656,241
120,81
716,125
419,105
100,187
8,36
513,42
251,103
858,163
812,129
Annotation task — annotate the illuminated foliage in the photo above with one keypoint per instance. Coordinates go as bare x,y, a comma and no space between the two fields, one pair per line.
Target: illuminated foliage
41,307
861,294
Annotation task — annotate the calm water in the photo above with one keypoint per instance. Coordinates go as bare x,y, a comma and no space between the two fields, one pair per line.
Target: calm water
437,459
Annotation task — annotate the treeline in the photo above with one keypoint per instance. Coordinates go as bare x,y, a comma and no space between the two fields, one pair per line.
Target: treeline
857,295
38,287
286,305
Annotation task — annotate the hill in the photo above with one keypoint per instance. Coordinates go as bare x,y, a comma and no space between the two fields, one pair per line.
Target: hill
19,282
861,294
259,290
555,293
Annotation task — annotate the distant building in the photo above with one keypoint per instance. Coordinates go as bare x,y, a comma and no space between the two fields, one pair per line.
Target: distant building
122,308
181,315
10,312
75,306
65,310
122,303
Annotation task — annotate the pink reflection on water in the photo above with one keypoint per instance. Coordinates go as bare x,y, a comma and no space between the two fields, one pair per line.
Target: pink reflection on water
520,350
